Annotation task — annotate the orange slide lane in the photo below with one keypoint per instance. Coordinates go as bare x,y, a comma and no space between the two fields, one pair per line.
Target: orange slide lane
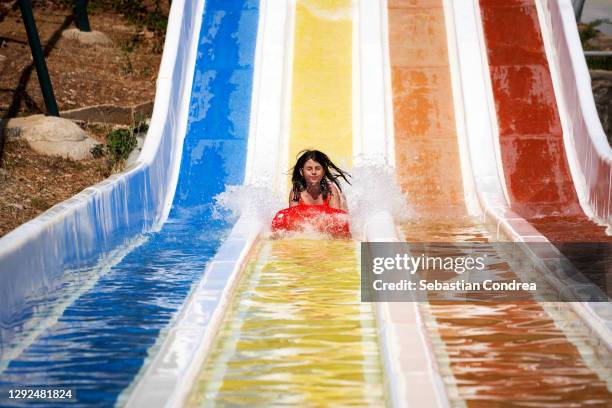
497,353
426,143
536,170
426,148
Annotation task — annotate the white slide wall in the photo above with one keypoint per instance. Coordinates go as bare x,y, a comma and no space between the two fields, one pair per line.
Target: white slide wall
587,148
81,229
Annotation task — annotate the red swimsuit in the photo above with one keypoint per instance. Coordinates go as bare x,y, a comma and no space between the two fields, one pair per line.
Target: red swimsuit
325,202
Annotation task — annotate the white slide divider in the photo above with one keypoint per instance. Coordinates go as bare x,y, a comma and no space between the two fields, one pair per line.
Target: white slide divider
469,191
473,67
586,145
479,123
411,375
109,214
167,377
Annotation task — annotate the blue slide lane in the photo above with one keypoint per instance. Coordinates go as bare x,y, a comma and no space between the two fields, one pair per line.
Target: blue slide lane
100,342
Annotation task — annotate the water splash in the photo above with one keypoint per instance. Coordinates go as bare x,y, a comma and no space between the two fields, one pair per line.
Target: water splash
374,189
253,200
259,202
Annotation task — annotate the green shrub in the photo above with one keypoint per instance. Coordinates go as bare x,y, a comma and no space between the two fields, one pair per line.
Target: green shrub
141,126
590,31
156,22
97,151
119,144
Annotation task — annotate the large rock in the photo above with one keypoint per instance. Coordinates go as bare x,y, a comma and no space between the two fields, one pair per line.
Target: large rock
601,82
54,136
87,37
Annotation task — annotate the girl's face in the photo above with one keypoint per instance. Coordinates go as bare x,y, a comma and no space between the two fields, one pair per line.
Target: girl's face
312,172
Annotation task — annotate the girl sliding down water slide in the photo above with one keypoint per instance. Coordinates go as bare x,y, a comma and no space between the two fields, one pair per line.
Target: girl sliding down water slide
316,201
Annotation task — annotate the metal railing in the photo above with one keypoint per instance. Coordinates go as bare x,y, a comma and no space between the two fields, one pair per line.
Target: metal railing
598,53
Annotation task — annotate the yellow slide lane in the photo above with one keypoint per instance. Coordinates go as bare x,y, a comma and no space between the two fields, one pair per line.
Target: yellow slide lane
321,105
296,333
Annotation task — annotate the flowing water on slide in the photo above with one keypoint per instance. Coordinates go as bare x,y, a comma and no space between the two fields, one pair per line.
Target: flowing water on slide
296,332
488,354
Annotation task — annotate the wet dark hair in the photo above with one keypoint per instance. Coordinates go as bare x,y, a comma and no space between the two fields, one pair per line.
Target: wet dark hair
331,172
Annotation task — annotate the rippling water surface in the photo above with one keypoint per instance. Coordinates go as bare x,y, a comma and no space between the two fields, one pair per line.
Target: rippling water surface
511,354
94,334
97,344
296,334
516,354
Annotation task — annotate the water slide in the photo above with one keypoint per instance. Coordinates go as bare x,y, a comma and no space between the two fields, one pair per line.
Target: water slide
89,286
431,159
136,293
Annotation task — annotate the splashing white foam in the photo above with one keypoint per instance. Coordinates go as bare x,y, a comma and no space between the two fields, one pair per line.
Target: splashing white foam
252,200
374,189
260,203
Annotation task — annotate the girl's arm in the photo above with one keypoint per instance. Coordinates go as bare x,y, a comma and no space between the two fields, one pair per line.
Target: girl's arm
343,204
291,202
337,199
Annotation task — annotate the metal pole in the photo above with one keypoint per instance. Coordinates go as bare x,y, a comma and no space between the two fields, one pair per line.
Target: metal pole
82,21
578,6
39,57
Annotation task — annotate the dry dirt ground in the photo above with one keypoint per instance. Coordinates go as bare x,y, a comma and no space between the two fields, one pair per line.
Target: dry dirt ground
123,74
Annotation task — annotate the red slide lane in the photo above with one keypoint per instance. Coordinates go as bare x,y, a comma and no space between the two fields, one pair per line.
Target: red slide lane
531,139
